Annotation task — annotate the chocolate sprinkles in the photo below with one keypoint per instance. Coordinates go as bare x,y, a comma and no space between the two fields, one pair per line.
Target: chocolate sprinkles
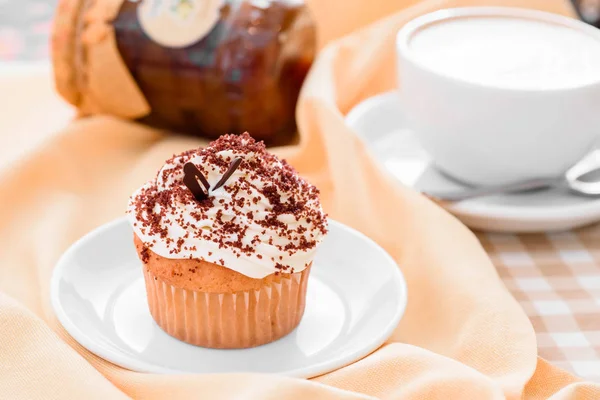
191,174
232,167
267,189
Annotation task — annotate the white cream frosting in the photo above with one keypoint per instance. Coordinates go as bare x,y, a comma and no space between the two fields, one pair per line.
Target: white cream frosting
229,228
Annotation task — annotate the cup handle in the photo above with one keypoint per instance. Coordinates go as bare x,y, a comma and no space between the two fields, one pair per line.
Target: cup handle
584,177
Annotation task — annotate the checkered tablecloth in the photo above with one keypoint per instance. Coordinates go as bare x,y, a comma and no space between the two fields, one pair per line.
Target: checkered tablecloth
555,277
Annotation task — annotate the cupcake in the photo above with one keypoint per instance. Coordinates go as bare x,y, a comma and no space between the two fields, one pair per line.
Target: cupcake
227,235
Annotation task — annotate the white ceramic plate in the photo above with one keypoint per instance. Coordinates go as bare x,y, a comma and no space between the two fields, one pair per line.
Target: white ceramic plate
377,121
356,297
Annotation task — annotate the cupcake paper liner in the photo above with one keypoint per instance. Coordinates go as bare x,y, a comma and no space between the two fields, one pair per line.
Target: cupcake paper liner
228,320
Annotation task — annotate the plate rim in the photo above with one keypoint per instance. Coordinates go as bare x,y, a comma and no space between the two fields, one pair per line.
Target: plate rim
474,208
130,363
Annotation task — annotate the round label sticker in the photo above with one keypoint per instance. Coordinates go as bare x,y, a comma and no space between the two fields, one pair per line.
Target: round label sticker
178,23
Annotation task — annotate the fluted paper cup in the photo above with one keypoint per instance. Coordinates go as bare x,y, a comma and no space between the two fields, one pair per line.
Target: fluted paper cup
228,320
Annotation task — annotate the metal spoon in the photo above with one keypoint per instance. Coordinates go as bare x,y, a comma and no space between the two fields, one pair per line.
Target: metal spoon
583,179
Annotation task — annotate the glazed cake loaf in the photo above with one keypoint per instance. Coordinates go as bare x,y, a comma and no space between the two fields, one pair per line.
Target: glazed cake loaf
204,67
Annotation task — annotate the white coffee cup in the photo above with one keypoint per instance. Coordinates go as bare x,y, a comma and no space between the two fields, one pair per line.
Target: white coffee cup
496,119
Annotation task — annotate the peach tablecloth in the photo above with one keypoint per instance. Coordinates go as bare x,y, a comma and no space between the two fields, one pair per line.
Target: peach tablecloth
463,335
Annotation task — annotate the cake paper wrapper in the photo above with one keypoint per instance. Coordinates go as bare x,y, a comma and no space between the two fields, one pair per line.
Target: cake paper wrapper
88,69
228,320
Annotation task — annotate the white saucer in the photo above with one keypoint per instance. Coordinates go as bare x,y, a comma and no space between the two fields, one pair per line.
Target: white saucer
356,297
377,121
